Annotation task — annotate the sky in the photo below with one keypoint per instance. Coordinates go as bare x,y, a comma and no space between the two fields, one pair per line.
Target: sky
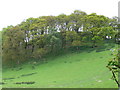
13,12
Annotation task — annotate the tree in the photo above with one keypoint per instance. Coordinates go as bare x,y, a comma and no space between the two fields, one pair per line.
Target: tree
39,53
53,42
76,20
71,37
13,50
97,26
114,66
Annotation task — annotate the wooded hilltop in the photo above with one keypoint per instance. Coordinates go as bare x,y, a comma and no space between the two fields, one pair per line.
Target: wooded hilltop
37,37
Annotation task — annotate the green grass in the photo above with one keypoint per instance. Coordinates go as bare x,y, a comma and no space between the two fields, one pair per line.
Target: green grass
73,70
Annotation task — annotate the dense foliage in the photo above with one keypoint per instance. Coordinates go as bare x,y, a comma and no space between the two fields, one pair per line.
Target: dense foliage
37,37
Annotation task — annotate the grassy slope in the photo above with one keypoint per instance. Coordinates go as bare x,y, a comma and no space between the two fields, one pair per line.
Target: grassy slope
74,70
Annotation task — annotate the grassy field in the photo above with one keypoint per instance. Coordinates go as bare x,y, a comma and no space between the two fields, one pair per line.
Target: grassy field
86,69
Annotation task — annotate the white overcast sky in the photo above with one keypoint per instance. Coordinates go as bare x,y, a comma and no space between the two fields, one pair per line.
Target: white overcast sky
13,12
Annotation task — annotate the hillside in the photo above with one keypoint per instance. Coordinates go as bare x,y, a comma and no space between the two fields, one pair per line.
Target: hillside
86,69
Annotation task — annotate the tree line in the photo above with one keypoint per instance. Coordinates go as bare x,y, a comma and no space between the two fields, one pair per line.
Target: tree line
37,37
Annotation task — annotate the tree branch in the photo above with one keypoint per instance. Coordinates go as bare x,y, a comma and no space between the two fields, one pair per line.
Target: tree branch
115,78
